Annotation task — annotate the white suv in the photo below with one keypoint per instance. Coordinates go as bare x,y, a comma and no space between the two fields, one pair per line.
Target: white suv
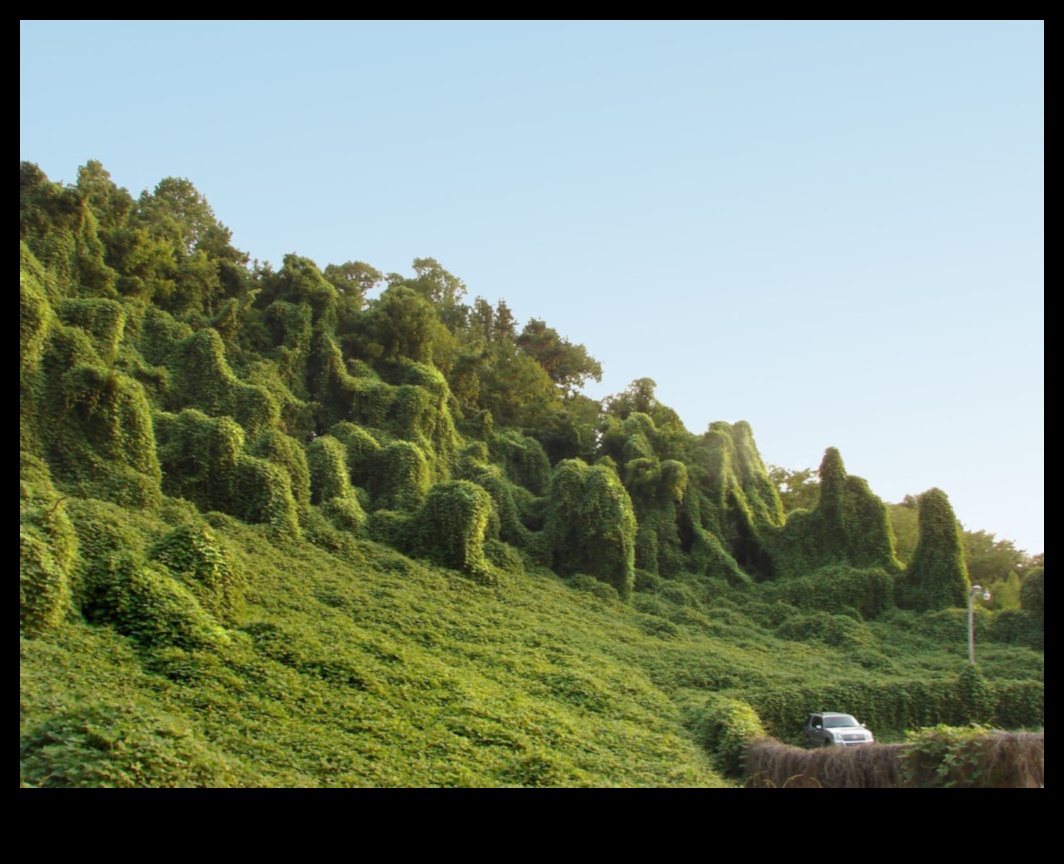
827,729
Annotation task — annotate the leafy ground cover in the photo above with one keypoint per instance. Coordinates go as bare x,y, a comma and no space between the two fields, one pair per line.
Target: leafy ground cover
365,668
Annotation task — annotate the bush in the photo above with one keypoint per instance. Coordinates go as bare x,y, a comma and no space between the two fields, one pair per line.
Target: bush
142,601
974,757
329,478
111,746
975,697
726,728
838,631
590,525
284,451
452,524
835,588
203,380
194,555
402,478
44,587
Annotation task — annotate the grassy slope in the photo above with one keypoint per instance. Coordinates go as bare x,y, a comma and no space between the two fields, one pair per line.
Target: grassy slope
375,670
365,668
362,667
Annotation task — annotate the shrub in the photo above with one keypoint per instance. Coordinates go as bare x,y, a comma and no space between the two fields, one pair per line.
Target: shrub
849,526
402,478
329,478
34,317
452,524
284,451
199,456
262,493
142,601
973,757
203,380
836,587
195,555
726,728
44,586
590,524
838,631
975,697
103,442
112,746
522,459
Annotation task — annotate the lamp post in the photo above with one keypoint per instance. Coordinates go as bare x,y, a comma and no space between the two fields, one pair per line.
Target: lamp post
973,592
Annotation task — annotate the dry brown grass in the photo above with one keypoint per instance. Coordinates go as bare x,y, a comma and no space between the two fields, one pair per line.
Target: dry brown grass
996,760
1019,759
1014,760
772,764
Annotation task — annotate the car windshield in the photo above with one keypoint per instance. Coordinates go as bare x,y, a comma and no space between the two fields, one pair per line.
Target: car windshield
839,720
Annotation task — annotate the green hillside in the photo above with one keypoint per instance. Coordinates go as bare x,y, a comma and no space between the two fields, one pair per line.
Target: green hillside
328,526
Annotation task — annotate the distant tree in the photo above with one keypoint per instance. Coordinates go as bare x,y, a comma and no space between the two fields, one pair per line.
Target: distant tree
353,279
111,204
400,324
1032,593
300,281
569,366
442,289
995,564
177,207
571,432
637,397
169,248
487,326
1032,589
504,324
799,489
515,388
905,521
60,228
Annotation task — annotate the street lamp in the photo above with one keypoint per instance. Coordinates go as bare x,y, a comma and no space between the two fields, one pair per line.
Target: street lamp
973,592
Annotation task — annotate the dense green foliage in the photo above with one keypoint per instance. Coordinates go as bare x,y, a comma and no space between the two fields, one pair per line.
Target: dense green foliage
292,528
728,727
936,576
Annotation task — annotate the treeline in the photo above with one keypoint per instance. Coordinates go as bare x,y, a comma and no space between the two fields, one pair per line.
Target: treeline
157,362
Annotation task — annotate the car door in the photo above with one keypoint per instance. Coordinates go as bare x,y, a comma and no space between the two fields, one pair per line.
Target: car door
814,731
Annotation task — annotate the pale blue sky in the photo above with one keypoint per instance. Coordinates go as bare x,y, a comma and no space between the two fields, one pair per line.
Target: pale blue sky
832,230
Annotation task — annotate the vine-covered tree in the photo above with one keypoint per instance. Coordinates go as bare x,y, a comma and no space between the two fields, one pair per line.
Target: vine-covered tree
799,489
936,577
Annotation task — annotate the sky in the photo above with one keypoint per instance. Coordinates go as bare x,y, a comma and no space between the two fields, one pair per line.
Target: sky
832,230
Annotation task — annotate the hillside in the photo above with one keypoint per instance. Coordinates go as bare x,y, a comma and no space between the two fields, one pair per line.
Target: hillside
337,527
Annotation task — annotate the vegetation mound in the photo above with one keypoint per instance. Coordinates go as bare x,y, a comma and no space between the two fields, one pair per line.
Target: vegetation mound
338,527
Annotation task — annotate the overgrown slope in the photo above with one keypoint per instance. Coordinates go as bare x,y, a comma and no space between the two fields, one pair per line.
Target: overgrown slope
275,530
